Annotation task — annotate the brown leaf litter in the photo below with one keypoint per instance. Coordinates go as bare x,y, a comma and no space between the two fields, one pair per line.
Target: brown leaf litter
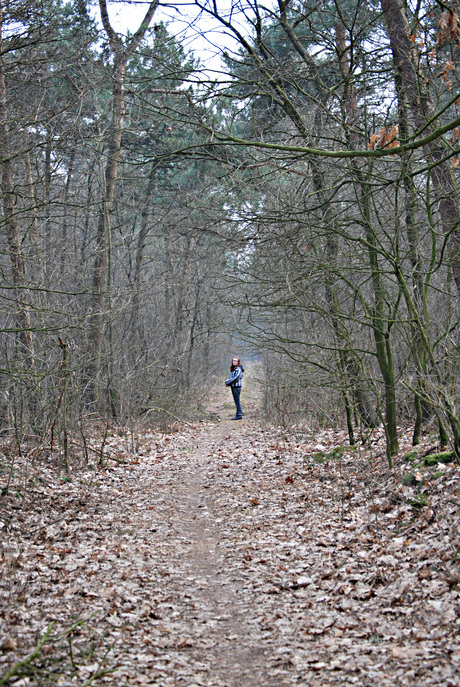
225,554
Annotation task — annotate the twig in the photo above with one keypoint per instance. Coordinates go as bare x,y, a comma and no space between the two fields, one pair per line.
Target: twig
48,524
104,440
162,410
69,630
86,447
10,475
25,661
454,557
99,673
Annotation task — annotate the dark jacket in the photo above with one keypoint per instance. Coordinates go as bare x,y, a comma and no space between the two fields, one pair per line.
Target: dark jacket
236,377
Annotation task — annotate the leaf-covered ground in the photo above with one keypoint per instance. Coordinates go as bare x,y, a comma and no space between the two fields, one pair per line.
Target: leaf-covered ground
226,554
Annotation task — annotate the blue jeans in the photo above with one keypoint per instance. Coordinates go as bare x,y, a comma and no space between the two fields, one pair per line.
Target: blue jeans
236,391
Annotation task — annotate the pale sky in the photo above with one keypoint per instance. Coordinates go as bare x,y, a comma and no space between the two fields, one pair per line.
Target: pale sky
205,38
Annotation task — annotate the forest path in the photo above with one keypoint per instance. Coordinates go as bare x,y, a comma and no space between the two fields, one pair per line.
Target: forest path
215,617
226,555
191,508
218,615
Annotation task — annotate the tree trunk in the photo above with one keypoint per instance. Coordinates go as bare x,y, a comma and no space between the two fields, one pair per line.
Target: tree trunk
412,89
97,320
145,216
416,91
99,289
348,360
380,324
64,247
18,271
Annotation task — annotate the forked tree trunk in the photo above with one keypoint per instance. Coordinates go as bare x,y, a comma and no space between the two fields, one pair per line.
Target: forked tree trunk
97,320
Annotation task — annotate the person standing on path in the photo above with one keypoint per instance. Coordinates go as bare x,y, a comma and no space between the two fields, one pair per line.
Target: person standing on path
234,381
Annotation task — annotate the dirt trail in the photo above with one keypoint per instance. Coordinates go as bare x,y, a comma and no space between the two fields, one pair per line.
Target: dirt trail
207,616
217,614
228,557
219,601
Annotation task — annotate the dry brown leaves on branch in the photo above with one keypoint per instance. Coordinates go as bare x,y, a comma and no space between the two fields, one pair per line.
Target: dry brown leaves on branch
384,139
448,28
454,139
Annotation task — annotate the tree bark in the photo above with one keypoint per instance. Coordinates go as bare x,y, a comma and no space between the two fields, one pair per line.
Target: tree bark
32,202
64,247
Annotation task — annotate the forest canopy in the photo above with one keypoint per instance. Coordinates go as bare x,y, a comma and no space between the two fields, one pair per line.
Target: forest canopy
296,196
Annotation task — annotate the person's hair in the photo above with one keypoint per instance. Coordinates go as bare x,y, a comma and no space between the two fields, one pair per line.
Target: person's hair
232,366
